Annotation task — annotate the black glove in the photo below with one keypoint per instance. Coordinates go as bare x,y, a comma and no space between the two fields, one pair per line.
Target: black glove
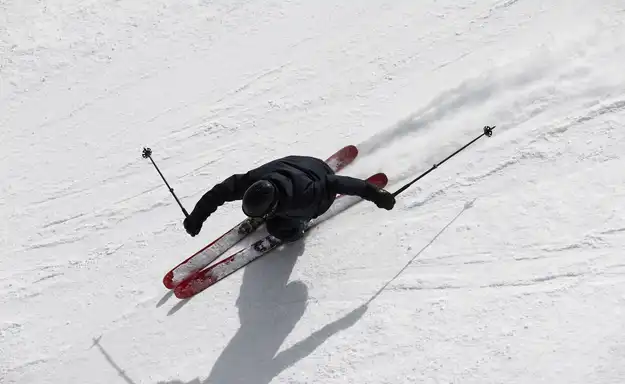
192,224
383,199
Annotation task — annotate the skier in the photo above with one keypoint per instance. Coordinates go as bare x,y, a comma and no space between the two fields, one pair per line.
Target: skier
287,192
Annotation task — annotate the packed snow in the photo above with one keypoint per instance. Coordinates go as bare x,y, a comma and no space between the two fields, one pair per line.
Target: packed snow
504,265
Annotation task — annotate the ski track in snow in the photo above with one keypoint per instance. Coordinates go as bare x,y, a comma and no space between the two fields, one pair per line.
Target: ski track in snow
502,266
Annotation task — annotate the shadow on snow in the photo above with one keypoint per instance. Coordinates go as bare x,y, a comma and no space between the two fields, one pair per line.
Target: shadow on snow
269,308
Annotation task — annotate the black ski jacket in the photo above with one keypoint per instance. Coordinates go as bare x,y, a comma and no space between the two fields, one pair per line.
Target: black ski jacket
306,186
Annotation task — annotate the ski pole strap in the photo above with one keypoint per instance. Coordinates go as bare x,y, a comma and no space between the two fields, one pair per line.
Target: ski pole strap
488,131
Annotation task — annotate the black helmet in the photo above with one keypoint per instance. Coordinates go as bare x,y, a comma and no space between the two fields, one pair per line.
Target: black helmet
260,199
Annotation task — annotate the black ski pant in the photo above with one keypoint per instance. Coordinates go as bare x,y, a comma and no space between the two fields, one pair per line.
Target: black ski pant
286,229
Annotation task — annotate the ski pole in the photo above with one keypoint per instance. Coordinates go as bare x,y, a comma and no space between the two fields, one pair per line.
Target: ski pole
488,131
147,154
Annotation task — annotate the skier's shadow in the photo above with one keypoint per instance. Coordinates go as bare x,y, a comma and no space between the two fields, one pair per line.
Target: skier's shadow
269,308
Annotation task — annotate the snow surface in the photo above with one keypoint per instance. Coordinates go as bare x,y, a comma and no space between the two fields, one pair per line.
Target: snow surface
505,265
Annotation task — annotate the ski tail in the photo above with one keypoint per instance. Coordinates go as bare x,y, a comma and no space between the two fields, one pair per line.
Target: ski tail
342,158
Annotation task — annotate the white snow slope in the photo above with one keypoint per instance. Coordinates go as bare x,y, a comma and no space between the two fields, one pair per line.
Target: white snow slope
505,265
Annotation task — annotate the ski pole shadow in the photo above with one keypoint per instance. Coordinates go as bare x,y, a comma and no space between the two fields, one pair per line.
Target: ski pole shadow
109,359
467,206
122,373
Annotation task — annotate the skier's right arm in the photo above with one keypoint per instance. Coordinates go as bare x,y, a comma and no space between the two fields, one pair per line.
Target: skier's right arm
231,189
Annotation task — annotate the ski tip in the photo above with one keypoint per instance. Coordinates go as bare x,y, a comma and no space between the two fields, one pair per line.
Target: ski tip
168,281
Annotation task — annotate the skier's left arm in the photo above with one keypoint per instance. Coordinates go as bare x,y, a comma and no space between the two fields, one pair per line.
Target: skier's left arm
346,185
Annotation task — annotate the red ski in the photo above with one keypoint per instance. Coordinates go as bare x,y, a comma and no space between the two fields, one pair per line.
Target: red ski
212,251
212,275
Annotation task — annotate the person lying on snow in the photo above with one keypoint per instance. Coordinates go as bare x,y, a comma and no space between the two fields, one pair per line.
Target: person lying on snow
288,193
